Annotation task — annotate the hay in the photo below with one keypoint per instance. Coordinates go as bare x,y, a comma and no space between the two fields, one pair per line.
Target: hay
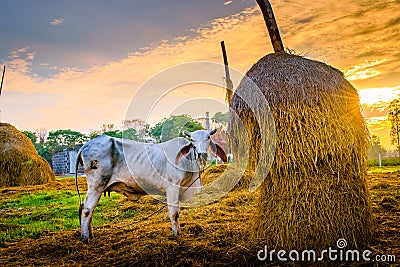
234,173
20,165
218,181
315,192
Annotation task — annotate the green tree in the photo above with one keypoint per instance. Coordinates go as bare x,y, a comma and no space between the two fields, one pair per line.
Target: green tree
114,133
130,134
60,139
394,119
172,127
140,126
94,134
44,151
30,135
155,132
221,118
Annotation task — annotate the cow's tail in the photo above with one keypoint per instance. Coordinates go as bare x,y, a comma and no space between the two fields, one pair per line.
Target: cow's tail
78,161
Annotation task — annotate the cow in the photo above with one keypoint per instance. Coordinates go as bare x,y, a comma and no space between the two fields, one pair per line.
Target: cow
170,170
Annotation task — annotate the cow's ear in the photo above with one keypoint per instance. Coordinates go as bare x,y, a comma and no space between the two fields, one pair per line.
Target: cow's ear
183,152
187,133
219,151
213,131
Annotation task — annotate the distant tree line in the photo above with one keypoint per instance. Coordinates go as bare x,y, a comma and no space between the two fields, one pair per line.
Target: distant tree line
47,143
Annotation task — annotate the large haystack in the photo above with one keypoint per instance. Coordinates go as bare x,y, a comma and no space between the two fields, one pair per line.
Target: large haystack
315,192
20,164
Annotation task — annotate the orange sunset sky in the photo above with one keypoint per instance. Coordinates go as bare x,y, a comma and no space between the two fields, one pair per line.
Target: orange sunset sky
77,66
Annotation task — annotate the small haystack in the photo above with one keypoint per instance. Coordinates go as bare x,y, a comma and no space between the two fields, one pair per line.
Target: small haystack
20,165
315,192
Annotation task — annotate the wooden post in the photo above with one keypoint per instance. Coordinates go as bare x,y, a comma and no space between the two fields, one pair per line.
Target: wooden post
229,84
272,26
380,160
2,79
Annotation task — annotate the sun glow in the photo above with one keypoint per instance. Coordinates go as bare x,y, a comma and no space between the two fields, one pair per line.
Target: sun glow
372,96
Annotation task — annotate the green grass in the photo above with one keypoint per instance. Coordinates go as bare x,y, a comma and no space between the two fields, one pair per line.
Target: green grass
385,162
59,178
29,215
383,169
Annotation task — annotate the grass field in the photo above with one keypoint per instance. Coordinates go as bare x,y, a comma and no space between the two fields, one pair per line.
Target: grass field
383,169
29,215
385,162
39,226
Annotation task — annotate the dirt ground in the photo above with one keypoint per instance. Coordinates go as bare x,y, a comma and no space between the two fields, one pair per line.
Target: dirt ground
212,235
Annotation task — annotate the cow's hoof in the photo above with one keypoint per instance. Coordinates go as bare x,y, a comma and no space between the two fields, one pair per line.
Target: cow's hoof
85,239
176,235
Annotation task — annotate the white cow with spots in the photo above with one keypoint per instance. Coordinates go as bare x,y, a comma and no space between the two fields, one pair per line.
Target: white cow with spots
134,169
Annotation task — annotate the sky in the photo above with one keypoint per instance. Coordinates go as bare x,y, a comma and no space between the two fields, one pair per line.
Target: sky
80,64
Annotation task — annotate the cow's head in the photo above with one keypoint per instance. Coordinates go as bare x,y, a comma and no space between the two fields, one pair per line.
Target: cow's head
200,141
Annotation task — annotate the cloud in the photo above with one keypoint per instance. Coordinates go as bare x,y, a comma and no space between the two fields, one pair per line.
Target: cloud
19,51
57,21
47,66
364,71
324,31
20,60
88,98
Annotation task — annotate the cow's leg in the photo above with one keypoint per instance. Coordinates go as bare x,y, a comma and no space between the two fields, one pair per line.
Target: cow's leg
89,204
173,208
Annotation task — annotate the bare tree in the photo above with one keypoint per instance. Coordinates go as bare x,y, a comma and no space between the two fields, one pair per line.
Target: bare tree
41,134
107,127
140,126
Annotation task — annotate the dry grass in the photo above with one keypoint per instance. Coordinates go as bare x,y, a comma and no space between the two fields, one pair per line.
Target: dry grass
212,235
19,162
214,172
385,195
315,192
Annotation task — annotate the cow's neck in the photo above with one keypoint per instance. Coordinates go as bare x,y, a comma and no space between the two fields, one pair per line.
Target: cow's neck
191,163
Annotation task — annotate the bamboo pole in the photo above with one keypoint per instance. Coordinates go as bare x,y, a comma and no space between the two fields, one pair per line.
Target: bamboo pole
272,26
229,84
2,79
